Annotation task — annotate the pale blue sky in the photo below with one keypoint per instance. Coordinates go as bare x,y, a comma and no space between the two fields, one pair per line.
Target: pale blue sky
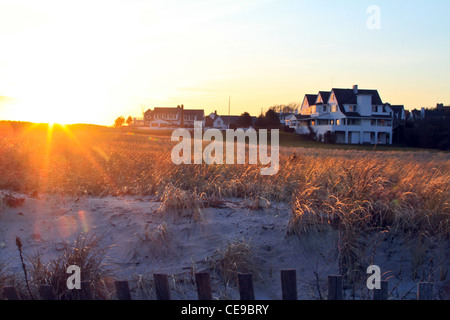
90,61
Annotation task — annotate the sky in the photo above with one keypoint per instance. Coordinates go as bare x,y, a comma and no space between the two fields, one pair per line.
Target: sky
92,61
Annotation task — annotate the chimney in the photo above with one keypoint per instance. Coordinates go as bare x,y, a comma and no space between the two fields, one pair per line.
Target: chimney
355,89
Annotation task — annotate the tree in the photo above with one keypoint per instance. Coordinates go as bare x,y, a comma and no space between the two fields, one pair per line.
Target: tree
261,122
129,121
244,120
286,108
119,122
272,119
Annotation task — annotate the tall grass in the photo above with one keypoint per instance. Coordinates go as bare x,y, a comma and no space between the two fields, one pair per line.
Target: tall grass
357,192
86,253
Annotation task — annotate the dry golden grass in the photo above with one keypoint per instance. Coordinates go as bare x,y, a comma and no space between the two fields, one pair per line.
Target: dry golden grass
354,191
85,252
404,190
237,257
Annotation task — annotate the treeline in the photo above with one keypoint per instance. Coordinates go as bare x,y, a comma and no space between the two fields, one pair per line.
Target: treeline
429,133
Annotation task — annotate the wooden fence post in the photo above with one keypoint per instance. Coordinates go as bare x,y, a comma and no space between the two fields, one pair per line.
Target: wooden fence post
246,289
382,293
289,284
162,286
122,290
425,291
203,282
46,292
11,293
335,287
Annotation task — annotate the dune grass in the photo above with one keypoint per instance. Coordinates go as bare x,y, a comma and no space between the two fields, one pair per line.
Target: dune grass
356,191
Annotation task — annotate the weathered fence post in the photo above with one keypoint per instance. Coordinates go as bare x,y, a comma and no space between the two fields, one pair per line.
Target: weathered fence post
122,290
382,293
203,282
289,284
46,292
162,286
335,287
246,289
10,293
425,291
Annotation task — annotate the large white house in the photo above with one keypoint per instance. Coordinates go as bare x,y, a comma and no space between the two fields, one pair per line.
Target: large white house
168,118
349,116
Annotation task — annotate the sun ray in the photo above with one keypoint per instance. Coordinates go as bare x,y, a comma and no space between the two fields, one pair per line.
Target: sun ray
90,158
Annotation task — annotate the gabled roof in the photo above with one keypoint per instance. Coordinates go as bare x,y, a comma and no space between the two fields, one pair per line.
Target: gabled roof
397,108
325,95
348,96
312,98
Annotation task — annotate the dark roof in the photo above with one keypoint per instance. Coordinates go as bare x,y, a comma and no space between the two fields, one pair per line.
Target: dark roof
159,110
325,95
231,119
284,115
353,114
348,96
312,98
301,117
397,109
190,112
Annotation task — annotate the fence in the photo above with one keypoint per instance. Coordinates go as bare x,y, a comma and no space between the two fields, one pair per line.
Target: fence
204,289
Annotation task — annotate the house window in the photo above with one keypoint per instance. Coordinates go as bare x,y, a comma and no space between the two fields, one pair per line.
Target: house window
334,108
313,123
351,108
338,122
313,109
332,122
374,108
373,122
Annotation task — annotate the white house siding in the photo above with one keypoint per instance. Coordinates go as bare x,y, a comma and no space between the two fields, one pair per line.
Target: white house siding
361,119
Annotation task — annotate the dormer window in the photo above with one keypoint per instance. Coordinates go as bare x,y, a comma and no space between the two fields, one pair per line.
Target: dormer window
374,108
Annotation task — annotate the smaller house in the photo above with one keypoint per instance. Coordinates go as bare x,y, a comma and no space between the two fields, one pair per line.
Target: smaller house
215,121
284,116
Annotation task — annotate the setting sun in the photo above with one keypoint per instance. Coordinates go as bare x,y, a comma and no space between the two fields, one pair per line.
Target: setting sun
224,150
95,61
